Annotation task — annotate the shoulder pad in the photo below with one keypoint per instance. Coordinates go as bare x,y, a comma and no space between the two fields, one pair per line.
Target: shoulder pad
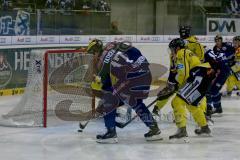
192,39
189,52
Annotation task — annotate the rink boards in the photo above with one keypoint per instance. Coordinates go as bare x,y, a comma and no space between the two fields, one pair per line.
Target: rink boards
155,52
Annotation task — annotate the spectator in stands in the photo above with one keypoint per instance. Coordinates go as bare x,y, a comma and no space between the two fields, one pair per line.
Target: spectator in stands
62,4
102,5
49,4
5,5
87,5
69,5
233,7
114,28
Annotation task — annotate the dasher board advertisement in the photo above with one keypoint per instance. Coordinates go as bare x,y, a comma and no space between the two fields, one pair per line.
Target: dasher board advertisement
223,26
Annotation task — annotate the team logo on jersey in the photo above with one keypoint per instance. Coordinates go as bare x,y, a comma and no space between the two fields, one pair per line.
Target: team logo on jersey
5,71
180,66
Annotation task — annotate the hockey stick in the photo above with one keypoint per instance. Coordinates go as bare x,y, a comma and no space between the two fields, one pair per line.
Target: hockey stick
82,126
122,125
119,125
164,94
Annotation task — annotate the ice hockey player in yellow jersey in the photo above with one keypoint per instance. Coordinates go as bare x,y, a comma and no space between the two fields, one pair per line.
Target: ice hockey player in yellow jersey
234,79
193,45
189,71
191,42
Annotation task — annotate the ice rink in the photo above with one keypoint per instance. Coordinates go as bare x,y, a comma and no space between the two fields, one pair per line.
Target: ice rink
65,143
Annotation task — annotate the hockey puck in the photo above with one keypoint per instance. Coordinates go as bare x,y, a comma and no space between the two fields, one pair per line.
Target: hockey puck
79,130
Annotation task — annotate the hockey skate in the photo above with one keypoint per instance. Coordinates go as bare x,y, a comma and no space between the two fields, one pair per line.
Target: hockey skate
154,133
203,131
226,94
235,94
181,135
210,121
109,137
217,112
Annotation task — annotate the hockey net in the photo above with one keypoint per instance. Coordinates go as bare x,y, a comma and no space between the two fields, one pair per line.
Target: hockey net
57,90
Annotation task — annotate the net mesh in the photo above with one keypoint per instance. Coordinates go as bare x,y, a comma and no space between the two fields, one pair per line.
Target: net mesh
68,92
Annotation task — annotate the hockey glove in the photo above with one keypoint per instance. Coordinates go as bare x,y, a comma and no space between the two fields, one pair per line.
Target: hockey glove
167,91
97,84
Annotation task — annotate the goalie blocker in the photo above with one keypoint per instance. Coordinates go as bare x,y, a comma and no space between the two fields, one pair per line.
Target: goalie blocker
197,84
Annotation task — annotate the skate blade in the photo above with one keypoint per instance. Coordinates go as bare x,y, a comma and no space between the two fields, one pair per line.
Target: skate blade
217,115
204,135
154,138
107,141
210,122
180,140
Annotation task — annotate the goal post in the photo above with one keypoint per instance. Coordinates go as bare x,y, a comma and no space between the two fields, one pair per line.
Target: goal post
58,89
81,58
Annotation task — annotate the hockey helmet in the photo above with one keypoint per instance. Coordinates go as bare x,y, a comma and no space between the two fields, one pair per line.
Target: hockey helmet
175,43
236,38
218,37
184,31
94,46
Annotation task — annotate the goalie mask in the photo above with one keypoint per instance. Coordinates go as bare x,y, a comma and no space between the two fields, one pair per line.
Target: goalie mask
184,31
95,47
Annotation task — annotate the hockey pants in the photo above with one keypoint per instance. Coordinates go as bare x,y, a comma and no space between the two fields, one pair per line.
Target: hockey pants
161,103
179,109
232,82
214,95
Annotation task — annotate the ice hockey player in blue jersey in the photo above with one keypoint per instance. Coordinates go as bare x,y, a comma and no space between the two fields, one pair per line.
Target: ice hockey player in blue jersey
224,59
124,77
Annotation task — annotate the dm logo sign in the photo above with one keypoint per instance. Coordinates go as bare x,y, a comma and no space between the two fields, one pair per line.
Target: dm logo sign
224,26
5,71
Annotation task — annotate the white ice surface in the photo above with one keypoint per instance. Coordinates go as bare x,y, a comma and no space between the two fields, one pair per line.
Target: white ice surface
65,143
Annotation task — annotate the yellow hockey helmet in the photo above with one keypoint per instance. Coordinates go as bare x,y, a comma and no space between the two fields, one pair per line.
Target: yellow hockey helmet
94,46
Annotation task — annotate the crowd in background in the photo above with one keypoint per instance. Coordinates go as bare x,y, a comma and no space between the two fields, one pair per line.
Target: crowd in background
233,7
99,5
229,6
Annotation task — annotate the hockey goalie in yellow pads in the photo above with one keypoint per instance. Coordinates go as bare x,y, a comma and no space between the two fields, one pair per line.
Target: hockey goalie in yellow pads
192,77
